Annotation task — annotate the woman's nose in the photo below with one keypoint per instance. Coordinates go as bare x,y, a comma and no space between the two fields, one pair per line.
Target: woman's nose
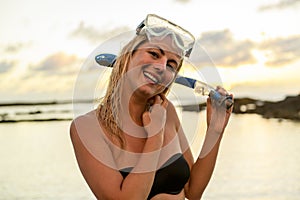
160,65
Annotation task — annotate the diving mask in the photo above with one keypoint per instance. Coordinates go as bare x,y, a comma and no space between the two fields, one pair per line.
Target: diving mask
155,26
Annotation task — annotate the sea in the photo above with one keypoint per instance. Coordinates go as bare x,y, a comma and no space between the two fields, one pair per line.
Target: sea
259,159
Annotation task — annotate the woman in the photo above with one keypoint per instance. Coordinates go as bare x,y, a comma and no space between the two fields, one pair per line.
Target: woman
133,146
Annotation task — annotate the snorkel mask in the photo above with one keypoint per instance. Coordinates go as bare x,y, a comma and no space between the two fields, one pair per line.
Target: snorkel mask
158,27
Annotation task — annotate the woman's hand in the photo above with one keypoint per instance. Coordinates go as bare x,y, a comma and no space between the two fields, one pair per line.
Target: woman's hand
217,118
154,119
217,115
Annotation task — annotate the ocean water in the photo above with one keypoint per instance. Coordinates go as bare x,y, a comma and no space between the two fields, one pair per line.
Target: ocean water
259,159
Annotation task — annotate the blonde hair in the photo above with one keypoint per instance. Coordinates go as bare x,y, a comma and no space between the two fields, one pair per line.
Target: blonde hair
110,106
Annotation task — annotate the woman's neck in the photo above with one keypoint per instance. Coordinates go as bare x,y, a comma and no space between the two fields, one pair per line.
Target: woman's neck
137,107
136,103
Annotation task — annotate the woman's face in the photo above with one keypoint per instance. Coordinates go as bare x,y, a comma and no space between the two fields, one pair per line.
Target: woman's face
153,67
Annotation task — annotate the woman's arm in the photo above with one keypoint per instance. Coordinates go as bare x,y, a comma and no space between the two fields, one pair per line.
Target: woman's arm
96,161
201,172
202,169
106,182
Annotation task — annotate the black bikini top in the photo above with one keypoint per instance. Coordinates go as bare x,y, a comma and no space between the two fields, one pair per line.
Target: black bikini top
170,178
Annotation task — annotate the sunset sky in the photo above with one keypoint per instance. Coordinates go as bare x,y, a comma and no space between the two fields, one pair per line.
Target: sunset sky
255,45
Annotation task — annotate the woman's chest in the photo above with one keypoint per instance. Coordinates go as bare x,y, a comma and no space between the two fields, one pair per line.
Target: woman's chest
133,151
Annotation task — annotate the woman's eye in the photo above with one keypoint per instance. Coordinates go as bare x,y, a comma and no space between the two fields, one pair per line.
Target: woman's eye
154,54
171,68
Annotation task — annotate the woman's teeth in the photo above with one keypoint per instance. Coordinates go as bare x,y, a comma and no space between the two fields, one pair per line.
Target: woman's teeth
152,78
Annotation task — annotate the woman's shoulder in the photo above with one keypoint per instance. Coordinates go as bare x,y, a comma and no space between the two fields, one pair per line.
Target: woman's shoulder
171,109
88,119
172,116
91,115
87,135
87,126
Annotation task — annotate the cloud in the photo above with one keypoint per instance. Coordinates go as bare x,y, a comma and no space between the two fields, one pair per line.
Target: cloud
6,66
58,63
222,49
52,77
16,47
182,1
94,35
225,51
281,51
283,4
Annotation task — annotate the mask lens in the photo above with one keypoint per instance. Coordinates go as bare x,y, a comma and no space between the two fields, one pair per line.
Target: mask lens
161,33
160,27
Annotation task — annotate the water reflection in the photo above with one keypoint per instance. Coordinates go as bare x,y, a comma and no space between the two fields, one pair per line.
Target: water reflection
259,159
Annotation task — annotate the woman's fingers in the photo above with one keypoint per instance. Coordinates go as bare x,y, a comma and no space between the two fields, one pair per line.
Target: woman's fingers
154,119
221,90
161,100
216,112
165,101
208,111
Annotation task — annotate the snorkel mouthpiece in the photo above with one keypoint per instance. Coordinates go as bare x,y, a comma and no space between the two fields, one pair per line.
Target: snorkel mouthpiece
106,59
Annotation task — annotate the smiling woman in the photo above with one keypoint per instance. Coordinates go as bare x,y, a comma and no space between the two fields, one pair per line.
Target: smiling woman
133,145
164,61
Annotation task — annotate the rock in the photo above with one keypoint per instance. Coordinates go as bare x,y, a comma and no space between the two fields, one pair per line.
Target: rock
289,108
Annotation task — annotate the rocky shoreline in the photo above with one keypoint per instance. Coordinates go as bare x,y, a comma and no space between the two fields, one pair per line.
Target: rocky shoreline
289,108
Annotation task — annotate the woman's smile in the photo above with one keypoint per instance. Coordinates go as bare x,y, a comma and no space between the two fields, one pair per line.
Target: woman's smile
151,77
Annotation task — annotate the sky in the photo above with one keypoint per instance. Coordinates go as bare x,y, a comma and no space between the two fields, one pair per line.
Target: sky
254,45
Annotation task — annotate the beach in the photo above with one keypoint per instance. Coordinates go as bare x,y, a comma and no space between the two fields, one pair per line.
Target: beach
259,159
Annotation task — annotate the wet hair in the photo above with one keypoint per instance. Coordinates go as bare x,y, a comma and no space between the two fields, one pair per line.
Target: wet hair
111,105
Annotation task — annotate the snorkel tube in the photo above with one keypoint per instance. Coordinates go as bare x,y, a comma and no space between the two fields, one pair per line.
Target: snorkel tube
108,60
